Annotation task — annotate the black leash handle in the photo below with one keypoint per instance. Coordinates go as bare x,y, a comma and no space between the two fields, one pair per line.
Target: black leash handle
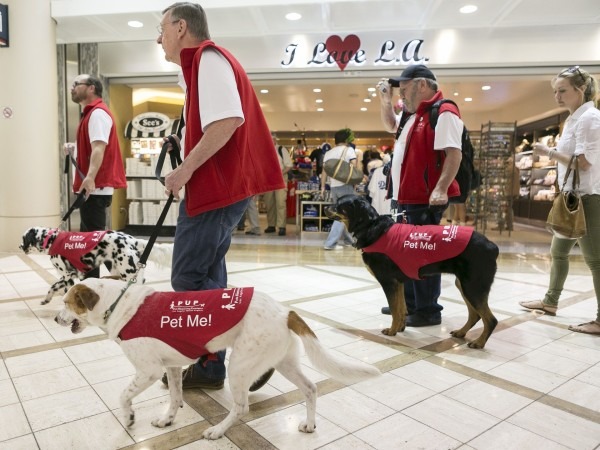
80,200
175,161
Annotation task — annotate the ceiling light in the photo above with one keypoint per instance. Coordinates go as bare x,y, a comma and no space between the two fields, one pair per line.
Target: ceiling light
468,99
317,90
468,9
367,100
293,16
319,100
485,88
456,94
135,24
264,91
374,94
363,109
320,109
371,89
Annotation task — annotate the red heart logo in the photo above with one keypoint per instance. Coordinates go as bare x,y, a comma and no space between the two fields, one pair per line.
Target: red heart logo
342,50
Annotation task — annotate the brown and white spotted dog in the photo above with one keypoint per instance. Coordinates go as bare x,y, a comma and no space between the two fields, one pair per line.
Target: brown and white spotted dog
73,259
179,326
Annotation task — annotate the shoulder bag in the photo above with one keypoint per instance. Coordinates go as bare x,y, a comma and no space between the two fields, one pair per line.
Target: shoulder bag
342,171
566,219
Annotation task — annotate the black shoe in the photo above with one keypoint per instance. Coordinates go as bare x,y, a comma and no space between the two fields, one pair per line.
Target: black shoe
262,380
270,230
386,310
417,320
281,232
195,380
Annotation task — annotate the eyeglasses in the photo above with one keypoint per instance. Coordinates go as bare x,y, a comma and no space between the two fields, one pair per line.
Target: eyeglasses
160,27
78,83
574,70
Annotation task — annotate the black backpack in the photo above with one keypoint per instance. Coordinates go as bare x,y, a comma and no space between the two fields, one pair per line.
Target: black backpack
468,177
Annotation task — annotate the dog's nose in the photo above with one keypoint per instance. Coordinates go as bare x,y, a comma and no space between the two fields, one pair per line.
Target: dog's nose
56,319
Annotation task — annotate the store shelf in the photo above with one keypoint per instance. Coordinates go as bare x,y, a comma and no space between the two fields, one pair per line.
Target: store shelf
312,218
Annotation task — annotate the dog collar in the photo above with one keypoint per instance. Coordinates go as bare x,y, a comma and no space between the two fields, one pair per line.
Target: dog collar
51,233
112,307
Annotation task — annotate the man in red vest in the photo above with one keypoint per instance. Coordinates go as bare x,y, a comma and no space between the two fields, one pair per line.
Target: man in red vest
98,156
423,168
228,158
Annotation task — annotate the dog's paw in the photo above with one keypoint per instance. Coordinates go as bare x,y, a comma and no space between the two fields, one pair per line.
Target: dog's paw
458,334
388,332
213,433
476,344
306,427
45,301
162,422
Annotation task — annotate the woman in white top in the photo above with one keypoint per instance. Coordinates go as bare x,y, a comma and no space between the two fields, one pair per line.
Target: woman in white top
576,90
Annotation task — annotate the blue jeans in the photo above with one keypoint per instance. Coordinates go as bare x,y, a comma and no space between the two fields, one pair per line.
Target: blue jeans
422,295
201,243
338,229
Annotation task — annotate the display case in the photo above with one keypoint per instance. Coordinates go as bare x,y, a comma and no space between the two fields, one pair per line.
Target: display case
494,197
537,174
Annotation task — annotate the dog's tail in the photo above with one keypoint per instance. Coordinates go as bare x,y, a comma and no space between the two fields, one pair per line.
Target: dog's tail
344,370
161,254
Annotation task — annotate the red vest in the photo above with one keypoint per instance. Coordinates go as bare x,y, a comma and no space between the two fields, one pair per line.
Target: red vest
186,321
111,172
422,165
247,164
414,246
72,245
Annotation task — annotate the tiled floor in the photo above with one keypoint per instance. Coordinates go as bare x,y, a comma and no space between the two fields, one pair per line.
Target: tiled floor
536,385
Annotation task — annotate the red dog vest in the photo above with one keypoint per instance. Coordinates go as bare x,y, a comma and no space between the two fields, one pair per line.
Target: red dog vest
73,245
186,321
414,246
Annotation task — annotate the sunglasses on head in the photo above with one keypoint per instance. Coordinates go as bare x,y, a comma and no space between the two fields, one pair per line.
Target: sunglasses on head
574,70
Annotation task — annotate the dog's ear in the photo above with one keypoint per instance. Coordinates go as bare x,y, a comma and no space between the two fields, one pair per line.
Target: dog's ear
86,296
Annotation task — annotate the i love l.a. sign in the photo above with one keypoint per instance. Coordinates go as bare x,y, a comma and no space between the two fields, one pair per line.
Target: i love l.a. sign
343,51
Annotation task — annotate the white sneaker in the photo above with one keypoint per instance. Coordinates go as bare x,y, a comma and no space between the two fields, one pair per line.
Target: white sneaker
335,247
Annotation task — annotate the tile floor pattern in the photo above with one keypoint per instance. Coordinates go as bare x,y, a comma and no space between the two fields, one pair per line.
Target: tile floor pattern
536,385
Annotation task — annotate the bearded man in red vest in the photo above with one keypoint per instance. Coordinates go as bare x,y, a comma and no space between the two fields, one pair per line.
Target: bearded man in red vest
98,156
228,158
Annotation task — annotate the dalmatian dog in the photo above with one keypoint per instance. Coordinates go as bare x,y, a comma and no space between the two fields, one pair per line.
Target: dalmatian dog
73,254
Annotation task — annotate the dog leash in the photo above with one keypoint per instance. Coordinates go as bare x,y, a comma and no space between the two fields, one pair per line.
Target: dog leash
175,161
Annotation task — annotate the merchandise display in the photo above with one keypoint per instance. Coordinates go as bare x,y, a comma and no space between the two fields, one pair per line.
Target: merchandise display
494,198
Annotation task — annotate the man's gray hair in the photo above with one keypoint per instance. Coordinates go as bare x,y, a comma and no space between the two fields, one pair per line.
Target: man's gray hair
194,17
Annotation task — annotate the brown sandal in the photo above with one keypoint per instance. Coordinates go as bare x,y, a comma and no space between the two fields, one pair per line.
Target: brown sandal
539,305
592,327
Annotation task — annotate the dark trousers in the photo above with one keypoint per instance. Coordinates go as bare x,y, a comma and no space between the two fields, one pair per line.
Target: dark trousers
93,218
422,295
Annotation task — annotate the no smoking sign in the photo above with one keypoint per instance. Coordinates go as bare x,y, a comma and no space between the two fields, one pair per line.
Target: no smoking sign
7,112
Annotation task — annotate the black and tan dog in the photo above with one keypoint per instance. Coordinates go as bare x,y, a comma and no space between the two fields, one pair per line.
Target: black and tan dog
473,264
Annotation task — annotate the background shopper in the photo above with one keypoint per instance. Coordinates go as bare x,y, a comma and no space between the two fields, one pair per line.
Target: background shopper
338,189
576,90
276,201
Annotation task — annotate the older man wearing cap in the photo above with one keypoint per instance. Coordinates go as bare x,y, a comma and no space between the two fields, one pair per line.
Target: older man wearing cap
424,165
